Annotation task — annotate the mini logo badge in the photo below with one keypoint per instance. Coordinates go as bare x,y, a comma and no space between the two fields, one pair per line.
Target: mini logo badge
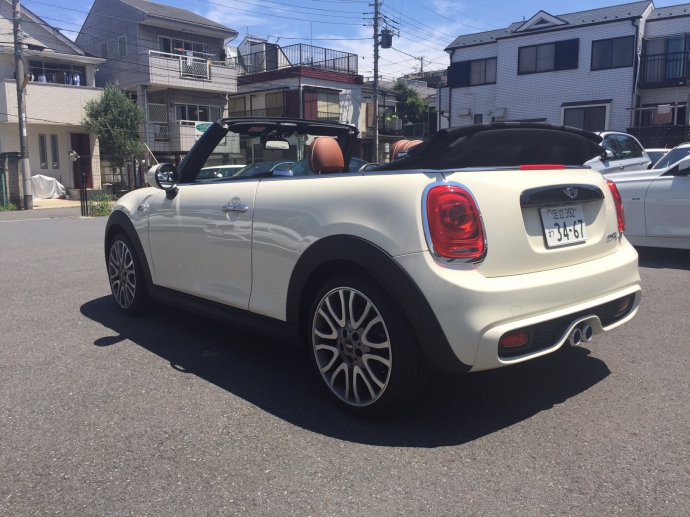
570,192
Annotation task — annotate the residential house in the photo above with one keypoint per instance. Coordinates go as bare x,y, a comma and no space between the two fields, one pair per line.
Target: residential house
172,62
660,116
578,69
297,81
61,82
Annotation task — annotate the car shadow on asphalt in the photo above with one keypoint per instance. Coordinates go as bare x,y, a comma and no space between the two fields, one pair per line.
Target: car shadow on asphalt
278,379
663,258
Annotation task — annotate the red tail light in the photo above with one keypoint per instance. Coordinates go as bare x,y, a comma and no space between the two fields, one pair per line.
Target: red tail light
455,225
619,205
514,340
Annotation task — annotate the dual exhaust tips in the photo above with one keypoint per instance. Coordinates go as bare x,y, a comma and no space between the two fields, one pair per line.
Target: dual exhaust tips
581,334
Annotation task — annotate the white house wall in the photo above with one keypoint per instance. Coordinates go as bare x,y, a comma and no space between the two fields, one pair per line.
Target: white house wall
541,95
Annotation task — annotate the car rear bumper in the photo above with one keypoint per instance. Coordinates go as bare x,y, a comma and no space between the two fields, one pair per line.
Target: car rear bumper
474,311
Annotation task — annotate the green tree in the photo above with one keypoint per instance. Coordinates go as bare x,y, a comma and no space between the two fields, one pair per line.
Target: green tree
116,121
415,106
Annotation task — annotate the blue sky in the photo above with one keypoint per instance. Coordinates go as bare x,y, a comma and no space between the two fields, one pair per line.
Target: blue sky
426,26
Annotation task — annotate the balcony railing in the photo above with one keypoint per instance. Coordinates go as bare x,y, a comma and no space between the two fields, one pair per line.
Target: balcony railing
659,70
660,136
392,124
268,112
275,58
192,67
328,116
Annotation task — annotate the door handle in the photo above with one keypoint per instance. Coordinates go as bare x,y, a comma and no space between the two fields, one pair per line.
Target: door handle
235,208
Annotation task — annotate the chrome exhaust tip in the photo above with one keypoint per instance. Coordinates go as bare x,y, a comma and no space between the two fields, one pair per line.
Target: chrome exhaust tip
587,333
575,337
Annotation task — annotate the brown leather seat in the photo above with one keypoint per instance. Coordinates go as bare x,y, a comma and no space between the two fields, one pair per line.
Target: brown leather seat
324,156
402,145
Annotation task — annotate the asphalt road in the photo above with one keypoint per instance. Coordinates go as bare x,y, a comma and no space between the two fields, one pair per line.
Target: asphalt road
104,414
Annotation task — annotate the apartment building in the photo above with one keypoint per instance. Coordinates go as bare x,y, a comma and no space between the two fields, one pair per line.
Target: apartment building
61,82
622,68
172,62
295,81
577,69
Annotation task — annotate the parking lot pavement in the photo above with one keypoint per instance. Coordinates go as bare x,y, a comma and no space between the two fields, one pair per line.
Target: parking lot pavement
104,414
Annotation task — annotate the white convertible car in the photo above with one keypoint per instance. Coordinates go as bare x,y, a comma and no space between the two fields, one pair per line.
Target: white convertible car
657,205
486,246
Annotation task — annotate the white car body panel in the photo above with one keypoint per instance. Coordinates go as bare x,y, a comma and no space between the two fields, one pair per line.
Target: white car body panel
620,165
136,205
467,304
293,213
657,208
199,249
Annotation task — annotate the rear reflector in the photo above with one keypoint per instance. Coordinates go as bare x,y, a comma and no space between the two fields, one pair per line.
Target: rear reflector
540,166
455,225
619,205
513,340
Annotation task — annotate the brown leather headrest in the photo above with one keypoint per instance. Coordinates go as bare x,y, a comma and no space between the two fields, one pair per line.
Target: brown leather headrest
402,145
397,147
324,156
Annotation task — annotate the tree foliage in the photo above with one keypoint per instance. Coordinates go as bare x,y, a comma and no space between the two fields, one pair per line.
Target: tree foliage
415,106
116,121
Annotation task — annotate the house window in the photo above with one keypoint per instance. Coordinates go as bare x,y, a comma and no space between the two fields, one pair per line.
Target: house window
54,151
42,151
215,113
236,107
483,71
613,53
561,55
122,45
462,74
59,73
104,50
178,46
478,118
590,118
328,106
275,107
195,113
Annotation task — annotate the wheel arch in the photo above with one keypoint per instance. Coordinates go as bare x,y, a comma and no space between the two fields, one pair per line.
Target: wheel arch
120,222
345,253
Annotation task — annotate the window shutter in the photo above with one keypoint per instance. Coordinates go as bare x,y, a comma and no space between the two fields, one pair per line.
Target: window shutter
370,114
567,54
292,104
311,98
459,74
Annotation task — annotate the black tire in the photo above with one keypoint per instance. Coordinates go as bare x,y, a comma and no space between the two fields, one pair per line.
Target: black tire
365,385
127,281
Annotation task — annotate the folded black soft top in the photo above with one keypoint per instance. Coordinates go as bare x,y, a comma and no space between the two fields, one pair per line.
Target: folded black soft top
501,144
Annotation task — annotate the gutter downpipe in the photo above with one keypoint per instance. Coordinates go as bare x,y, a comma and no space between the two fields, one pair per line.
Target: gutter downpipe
636,78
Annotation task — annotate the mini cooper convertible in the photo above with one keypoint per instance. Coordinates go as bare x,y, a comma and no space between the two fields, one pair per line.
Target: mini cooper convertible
485,246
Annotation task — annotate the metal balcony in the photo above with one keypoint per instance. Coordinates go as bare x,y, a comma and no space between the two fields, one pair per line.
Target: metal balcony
275,58
664,70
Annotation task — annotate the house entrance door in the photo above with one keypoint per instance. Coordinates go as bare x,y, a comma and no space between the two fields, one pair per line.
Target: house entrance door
81,144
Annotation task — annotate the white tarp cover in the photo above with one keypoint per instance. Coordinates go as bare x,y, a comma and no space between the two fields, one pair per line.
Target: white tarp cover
47,187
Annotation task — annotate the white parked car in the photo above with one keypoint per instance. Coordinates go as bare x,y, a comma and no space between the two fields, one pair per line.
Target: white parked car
624,153
655,154
673,156
657,203
467,254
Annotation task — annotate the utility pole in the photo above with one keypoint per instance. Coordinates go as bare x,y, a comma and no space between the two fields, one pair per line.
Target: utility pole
376,81
21,109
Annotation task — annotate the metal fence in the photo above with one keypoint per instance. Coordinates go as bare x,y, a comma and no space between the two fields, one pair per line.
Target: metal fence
661,136
300,54
661,68
4,196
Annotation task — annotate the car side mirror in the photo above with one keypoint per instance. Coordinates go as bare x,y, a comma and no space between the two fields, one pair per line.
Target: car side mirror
608,155
163,176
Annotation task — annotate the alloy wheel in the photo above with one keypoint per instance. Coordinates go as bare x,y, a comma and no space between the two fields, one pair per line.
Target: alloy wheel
352,346
123,281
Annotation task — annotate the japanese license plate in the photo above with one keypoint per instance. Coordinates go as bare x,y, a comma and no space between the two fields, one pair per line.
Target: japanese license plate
563,225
